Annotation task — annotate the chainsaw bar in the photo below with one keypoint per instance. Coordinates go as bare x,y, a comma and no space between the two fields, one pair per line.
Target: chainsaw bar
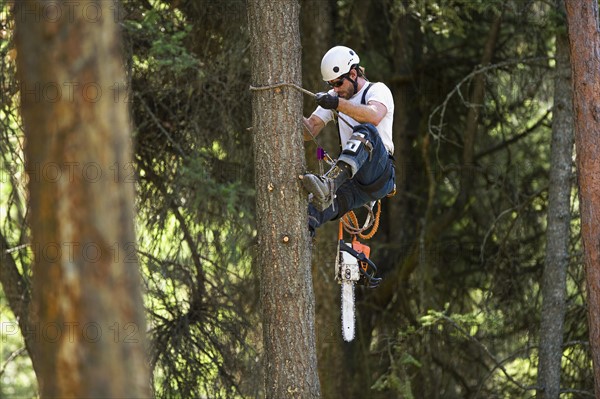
352,266
348,316
348,273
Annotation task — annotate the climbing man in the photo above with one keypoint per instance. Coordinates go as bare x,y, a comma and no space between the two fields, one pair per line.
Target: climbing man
364,171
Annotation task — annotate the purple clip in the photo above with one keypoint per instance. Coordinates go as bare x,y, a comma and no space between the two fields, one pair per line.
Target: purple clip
320,153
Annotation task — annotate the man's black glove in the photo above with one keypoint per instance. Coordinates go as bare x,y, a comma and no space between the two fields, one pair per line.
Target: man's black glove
327,101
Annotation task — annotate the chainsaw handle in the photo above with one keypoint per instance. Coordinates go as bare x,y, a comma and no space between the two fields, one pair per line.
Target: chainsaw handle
358,255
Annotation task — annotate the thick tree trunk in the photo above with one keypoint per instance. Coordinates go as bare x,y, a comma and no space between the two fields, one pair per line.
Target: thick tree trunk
89,336
584,38
283,240
554,280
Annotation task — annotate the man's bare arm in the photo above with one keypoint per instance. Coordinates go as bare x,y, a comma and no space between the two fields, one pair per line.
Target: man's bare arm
373,112
313,126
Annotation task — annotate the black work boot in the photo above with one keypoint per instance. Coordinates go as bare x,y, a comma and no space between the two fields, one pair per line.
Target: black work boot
323,188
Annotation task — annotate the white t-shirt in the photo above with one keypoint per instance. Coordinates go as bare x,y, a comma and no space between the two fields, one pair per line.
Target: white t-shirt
378,92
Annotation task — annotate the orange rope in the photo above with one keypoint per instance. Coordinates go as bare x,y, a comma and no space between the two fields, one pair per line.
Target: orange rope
351,220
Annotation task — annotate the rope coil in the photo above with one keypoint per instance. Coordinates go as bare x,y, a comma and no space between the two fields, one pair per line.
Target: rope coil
351,225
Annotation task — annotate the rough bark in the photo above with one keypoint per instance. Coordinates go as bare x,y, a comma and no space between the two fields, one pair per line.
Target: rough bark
89,335
584,40
283,242
557,236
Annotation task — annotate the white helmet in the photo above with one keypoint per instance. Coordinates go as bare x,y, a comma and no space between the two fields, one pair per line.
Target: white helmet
338,61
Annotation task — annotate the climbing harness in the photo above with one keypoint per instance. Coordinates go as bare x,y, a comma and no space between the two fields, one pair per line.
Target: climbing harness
352,264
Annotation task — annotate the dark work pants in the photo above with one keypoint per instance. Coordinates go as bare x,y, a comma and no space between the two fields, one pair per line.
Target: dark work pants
366,185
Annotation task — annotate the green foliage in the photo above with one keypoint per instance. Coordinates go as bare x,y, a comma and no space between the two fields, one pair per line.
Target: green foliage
448,19
17,379
167,53
195,199
395,379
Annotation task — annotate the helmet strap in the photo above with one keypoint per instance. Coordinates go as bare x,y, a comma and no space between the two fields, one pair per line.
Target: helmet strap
354,82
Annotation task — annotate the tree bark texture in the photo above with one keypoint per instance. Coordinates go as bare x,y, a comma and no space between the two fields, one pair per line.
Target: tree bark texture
283,242
89,335
554,280
584,39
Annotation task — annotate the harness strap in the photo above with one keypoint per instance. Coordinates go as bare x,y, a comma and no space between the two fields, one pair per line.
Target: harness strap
367,144
363,100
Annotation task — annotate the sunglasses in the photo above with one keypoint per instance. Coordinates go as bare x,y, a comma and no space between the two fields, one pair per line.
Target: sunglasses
337,83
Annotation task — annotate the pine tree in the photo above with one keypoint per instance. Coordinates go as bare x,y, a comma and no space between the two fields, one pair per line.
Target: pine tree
89,335
283,241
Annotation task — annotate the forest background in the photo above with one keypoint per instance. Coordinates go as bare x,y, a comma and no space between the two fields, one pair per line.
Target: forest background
462,246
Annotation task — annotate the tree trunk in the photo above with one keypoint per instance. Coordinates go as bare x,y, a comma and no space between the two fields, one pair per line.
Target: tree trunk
554,280
584,39
283,240
90,331
407,53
